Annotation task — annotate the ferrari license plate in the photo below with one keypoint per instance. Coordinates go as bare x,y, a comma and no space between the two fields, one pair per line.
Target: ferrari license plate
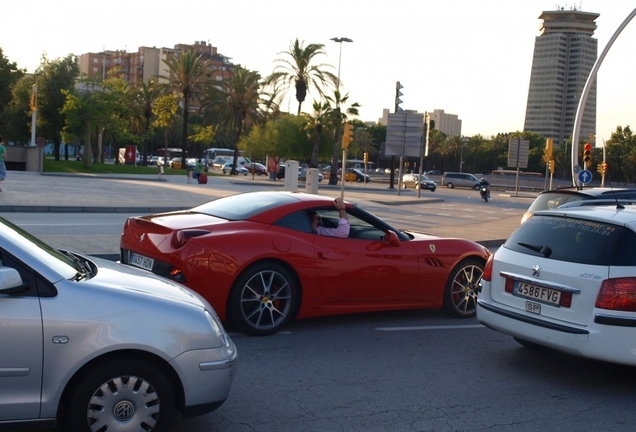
140,261
533,292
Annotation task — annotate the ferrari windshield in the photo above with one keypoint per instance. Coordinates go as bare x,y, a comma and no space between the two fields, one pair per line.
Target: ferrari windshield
244,206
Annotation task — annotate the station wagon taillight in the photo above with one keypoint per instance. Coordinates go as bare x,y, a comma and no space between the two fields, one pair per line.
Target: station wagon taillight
617,294
487,276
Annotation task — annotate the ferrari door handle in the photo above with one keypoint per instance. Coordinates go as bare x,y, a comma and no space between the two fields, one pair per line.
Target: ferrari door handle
330,257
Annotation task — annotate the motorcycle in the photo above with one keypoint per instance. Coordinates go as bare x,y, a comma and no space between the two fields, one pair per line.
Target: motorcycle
484,191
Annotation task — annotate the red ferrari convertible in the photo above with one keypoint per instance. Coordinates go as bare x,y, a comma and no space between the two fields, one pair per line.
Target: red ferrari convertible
256,259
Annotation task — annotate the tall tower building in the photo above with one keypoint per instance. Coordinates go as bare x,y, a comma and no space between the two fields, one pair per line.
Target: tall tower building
564,55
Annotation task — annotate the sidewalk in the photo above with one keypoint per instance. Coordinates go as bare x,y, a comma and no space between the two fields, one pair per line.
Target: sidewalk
145,194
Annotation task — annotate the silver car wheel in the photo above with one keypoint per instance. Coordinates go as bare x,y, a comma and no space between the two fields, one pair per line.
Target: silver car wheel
122,402
460,297
121,394
264,299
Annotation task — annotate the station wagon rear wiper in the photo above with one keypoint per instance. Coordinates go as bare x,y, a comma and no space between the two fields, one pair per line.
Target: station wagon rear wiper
543,250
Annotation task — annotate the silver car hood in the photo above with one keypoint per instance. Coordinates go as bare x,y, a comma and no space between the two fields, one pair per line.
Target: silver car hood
124,278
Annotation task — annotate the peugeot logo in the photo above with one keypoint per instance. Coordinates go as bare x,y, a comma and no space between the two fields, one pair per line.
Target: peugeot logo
536,270
143,236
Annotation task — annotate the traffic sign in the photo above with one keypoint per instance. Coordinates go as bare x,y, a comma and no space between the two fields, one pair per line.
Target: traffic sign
584,176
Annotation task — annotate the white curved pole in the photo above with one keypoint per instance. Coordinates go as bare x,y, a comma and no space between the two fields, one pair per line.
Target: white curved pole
585,94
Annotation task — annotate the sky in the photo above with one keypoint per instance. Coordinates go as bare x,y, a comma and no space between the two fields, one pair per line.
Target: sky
471,58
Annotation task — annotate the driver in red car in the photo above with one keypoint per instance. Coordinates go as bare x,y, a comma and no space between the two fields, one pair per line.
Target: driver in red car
342,230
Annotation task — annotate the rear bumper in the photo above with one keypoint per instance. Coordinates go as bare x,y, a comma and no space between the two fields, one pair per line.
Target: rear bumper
611,343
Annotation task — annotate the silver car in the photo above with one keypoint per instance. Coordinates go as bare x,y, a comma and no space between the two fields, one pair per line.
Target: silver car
97,345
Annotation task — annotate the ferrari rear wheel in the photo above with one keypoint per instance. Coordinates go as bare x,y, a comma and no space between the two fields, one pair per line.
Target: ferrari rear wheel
264,298
460,296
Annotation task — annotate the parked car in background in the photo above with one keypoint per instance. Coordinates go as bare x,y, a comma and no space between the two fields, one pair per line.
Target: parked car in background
96,345
356,175
176,163
240,169
302,174
256,168
289,271
566,280
434,172
558,197
455,179
414,181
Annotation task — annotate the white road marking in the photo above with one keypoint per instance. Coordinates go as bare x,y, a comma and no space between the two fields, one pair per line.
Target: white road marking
449,327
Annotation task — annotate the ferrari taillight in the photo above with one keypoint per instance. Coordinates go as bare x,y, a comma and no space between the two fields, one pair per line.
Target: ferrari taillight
176,275
487,276
181,237
617,294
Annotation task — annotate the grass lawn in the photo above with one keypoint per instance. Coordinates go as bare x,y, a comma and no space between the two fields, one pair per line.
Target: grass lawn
73,166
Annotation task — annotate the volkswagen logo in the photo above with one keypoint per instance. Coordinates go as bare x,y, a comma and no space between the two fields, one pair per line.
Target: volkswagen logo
124,411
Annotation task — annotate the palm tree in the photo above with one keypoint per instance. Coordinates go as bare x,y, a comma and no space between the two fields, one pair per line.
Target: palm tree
189,77
315,123
297,68
144,96
236,104
339,117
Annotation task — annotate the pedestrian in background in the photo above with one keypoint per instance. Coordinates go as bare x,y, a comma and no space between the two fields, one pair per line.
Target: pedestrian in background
3,167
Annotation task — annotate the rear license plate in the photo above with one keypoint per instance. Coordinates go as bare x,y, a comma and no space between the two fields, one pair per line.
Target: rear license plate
140,261
541,294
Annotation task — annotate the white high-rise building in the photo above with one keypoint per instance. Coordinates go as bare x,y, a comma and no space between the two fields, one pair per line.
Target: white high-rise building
564,55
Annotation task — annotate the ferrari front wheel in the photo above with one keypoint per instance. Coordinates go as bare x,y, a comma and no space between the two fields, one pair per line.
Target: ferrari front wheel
263,299
460,295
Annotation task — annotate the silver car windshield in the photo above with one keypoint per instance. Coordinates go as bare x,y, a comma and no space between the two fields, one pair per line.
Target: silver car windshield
11,234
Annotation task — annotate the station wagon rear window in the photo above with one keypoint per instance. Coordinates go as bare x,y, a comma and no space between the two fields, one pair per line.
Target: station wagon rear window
566,239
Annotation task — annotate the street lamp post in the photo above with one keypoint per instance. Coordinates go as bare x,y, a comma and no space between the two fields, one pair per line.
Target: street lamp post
340,41
344,150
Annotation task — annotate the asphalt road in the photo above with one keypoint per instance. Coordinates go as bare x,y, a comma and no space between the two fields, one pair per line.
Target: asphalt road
414,371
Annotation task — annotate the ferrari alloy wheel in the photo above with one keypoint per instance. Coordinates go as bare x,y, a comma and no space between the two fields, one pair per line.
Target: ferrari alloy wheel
121,395
460,296
263,299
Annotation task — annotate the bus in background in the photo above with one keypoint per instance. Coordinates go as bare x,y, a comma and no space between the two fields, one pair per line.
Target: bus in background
217,157
172,152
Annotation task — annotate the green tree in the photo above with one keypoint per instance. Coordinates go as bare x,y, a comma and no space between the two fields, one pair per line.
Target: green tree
315,124
621,155
53,78
17,114
189,77
165,111
10,75
284,137
236,105
98,107
143,96
339,117
297,68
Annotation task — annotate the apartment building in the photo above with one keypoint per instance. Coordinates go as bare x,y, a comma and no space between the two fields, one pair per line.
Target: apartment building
148,62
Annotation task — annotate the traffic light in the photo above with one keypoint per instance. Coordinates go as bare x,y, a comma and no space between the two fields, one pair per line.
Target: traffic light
347,135
602,168
587,155
547,152
551,166
366,158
